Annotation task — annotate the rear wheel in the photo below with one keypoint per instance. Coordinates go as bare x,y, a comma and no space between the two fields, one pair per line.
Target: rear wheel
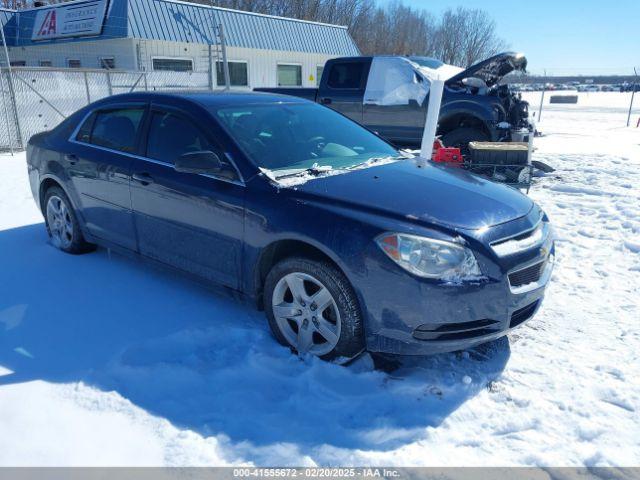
313,309
62,223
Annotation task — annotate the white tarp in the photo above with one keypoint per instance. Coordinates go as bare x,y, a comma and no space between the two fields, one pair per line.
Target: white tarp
397,80
394,81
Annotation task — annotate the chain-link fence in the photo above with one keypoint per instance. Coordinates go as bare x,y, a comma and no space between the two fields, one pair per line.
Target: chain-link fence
37,99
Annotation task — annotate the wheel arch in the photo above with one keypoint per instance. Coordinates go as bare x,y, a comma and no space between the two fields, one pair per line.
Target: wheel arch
46,182
457,120
283,248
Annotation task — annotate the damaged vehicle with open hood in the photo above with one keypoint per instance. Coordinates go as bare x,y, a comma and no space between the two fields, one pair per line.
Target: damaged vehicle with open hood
389,95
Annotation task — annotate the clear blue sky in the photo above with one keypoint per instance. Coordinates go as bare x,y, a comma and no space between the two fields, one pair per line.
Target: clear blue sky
562,36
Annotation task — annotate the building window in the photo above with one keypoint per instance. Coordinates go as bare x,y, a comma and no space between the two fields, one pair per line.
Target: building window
18,63
108,63
45,63
289,75
319,70
173,64
74,63
237,71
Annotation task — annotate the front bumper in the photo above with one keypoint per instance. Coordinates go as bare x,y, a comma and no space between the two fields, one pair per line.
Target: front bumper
428,318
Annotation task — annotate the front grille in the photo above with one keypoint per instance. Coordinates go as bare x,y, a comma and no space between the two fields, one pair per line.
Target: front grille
523,314
456,331
527,275
524,241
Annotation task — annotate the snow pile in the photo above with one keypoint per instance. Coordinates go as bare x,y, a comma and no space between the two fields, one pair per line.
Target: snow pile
113,362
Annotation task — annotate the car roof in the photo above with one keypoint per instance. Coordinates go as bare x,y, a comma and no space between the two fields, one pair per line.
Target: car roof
210,99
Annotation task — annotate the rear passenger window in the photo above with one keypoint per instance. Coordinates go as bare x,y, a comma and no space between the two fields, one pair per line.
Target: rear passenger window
117,129
346,75
171,136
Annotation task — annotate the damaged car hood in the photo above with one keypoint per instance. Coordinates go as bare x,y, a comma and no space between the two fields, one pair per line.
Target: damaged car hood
493,69
410,190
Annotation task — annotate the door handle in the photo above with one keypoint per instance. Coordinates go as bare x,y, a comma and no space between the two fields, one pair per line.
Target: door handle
143,178
71,158
325,101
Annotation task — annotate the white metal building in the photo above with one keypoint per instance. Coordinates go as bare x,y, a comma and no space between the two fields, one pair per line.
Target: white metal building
152,35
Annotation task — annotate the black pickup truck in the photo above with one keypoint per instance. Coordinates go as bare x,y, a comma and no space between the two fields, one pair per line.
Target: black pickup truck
389,95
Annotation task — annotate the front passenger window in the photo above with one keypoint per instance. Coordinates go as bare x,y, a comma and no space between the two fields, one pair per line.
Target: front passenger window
171,136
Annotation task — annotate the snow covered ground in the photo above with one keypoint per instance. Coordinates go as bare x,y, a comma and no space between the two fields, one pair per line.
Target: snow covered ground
107,361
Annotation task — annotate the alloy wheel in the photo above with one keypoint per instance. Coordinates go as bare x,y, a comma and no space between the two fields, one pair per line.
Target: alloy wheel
60,222
306,314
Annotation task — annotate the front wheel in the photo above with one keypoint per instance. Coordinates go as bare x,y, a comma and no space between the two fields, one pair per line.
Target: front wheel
462,136
313,309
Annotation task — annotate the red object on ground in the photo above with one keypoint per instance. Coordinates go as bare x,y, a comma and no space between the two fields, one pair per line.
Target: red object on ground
449,155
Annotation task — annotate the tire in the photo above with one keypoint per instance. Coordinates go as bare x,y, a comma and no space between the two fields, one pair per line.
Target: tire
62,223
330,330
543,167
461,137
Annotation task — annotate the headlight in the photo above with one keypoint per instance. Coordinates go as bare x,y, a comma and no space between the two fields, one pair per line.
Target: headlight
429,258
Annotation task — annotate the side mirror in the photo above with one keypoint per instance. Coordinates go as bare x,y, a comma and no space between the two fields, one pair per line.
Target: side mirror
199,162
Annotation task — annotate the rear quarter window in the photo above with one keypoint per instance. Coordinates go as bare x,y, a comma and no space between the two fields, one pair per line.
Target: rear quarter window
84,134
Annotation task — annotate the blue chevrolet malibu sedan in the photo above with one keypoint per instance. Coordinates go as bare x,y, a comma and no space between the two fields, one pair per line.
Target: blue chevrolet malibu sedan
345,242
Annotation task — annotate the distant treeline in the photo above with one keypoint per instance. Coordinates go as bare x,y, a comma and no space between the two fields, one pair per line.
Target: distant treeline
459,36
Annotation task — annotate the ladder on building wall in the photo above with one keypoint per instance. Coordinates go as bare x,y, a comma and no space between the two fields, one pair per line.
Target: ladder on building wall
214,53
218,55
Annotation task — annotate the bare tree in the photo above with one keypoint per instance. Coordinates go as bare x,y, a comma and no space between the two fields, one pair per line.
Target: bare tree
465,36
460,37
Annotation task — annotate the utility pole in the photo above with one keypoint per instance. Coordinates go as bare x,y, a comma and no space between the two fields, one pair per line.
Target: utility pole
544,87
633,93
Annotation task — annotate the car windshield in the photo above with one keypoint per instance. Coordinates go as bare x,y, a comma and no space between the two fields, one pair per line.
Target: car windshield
290,138
427,62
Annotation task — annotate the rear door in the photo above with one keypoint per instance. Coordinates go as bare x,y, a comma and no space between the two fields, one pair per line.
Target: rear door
343,84
100,170
191,221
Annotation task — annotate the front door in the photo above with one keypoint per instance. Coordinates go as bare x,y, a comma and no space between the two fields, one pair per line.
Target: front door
402,125
343,88
190,221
